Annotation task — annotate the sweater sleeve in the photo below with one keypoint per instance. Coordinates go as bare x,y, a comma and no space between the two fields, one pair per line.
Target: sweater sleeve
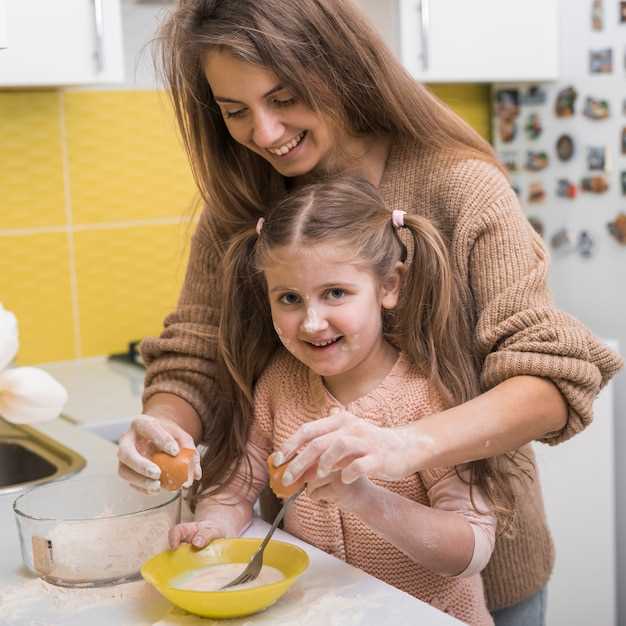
448,492
181,361
518,329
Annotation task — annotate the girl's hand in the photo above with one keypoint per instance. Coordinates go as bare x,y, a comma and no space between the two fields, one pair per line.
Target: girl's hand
333,490
224,515
353,445
198,534
146,436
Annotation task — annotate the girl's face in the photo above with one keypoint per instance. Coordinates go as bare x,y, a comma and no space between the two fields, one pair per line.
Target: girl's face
328,312
266,117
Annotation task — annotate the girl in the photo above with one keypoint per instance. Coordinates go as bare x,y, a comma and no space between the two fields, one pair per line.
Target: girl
328,271
270,92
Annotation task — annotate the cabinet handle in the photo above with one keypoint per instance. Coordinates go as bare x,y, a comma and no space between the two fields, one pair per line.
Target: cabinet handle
423,9
98,22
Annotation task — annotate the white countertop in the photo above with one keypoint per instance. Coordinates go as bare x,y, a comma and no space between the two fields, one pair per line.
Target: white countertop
329,593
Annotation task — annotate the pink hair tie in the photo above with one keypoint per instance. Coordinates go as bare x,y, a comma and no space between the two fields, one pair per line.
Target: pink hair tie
397,218
259,225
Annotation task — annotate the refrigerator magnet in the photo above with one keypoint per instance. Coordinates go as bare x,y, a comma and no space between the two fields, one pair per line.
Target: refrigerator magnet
536,192
565,188
535,95
596,109
565,147
624,140
585,244
533,126
601,61
562,240
597,15
536,160
596,158
507,110
623,181
622,12
617,228
565,102
510,160
594,184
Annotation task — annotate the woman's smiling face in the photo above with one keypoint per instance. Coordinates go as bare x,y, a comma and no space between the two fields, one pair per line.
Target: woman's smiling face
266,117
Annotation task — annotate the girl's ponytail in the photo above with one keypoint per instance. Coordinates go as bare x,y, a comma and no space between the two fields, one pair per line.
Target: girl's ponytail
245,343
431,323
437,336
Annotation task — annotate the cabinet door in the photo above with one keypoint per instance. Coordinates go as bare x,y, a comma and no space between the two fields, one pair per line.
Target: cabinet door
67,42
470,40
479,40
3,25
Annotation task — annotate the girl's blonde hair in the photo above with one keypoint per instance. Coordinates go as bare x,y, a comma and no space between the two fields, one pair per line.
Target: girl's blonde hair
332,60
428,324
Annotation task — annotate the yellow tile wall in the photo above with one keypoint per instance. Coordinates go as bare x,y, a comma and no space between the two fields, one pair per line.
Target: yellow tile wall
95,198
95,206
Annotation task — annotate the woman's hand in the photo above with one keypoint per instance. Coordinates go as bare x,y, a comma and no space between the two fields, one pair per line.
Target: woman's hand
348,497
353,445
146,436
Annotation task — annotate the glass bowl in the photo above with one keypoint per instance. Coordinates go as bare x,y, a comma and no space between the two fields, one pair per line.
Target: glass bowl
90,531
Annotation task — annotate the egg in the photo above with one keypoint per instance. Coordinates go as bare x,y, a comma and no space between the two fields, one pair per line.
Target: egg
174,469
276,480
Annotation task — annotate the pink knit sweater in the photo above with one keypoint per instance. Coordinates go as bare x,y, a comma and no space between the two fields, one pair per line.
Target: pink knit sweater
289,395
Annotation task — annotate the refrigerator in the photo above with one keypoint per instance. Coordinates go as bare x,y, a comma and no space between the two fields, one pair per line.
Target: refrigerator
564,144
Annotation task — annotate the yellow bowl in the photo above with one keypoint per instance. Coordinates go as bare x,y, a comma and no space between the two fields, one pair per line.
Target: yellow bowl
162,568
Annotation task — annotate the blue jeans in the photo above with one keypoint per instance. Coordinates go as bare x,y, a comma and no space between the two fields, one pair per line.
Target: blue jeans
529,612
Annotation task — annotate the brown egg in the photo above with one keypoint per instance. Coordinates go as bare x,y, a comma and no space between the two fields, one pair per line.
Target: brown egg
174,469
276,480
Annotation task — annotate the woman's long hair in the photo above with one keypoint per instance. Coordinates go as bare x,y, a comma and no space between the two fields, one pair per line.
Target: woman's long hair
428,324
329,56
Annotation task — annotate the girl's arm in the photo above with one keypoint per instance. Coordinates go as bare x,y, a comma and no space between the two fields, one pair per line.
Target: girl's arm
229,512
449,537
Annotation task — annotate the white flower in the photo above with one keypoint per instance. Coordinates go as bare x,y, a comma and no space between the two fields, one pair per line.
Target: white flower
29,395
8,337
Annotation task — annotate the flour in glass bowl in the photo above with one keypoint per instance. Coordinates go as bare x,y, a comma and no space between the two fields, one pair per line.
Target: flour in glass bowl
105,547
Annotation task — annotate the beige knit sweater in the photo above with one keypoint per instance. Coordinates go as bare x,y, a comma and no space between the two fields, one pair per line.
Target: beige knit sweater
289,395
518,331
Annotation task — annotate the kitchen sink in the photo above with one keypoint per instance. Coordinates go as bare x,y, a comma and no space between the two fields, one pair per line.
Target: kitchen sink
28,458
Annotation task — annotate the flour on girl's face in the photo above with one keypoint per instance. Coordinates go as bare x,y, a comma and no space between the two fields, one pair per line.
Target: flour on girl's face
313,323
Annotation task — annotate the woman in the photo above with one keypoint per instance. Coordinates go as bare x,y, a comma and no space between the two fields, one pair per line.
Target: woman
271,93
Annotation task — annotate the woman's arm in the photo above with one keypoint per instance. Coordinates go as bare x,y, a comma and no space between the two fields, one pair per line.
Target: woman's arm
179,382
504,418
518,410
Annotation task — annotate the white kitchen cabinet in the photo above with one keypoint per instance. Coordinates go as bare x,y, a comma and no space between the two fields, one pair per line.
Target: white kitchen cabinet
470,41
3,23
61,42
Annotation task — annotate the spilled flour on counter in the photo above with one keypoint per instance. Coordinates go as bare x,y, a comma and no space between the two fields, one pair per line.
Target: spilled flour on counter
308,606
20,599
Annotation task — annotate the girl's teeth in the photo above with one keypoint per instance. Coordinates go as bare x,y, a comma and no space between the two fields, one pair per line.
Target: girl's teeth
324,343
